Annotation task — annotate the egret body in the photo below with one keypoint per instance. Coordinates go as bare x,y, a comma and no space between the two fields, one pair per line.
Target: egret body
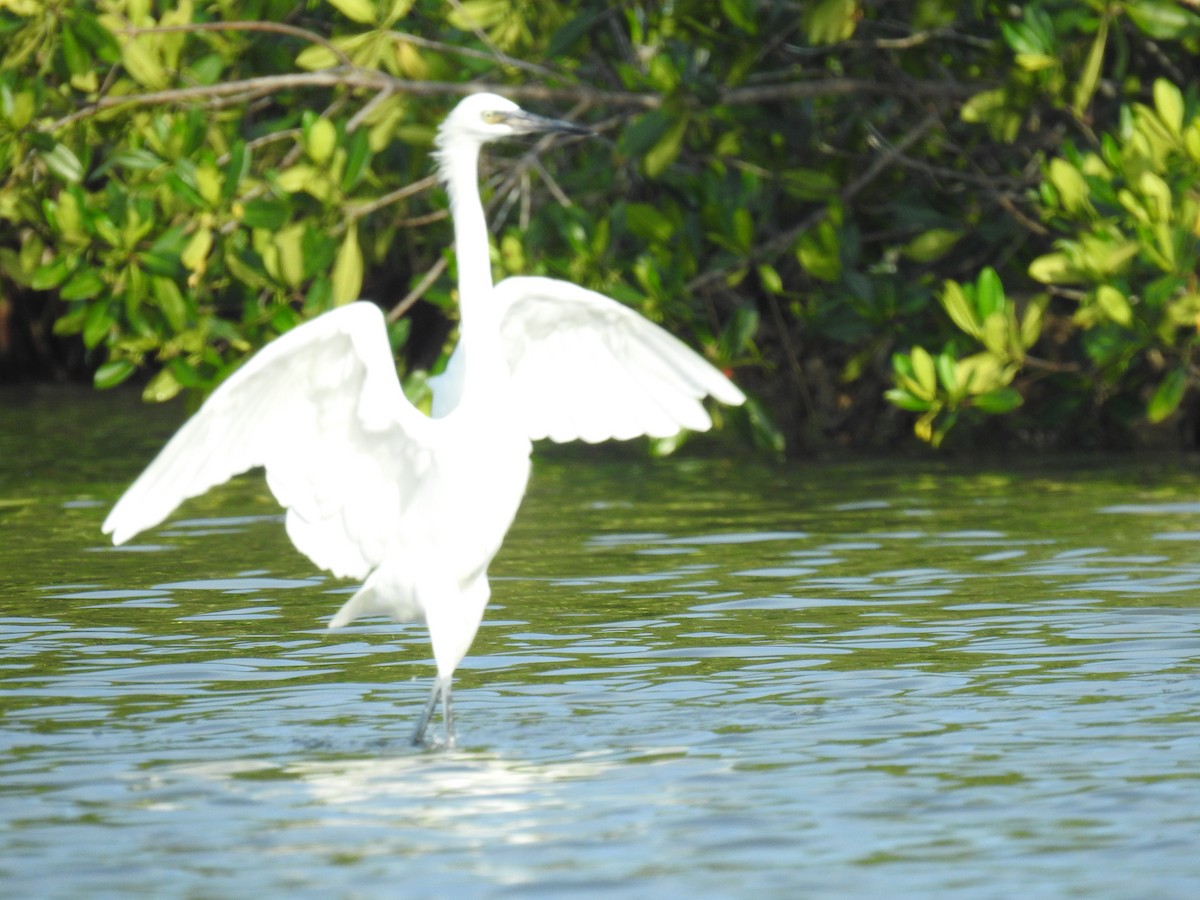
416,506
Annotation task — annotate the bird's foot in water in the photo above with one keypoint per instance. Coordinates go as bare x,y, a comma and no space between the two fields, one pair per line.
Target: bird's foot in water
441,693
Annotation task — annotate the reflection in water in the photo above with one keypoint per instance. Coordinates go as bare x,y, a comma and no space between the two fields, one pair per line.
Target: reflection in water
825,681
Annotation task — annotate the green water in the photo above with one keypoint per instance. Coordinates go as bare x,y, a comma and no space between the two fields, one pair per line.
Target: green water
698,678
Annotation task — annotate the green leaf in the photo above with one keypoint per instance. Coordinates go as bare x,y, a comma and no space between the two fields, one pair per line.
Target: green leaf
741,13
50,275
185,191
1085,87
169,299
348,269
569,34
1163,20
82,285
643,133
357,155
905,400
113,373
96,325
1168,395
947,372
989,293
648,223
999,401
267,214
235,170
63,162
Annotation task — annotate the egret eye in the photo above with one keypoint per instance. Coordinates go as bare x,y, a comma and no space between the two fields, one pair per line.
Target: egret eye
491,117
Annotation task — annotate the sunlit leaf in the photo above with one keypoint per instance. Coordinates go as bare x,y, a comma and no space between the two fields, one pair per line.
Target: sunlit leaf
955,303
1168,103
361,11
932,244
348,269
161,387
63,162
830,21
666,150
1114,304
924,371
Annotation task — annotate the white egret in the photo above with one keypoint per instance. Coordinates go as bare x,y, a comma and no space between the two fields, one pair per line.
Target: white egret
417,506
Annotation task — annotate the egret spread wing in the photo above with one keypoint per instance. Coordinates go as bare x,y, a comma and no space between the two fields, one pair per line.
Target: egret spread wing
322,410
584,367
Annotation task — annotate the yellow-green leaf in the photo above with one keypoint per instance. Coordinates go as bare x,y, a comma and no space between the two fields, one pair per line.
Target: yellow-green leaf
955,303
769,276
1031,322
1114,304
995,334
1053,268
320,141
666,150
1036,62
361,11
932,244
195,254
1154,189
924,372
161,387
348,269
287,260
315,57
471,14
296,178
830,21
143,64
1070,185
1168,103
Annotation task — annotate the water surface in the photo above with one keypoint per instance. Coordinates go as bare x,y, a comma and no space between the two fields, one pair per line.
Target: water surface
698,677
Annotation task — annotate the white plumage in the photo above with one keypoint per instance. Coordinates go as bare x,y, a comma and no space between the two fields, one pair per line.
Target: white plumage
417,506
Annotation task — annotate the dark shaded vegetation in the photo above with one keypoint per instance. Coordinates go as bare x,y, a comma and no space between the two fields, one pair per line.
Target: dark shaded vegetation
973,221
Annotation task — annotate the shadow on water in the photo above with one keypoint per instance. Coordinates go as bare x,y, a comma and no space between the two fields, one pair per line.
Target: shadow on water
697,676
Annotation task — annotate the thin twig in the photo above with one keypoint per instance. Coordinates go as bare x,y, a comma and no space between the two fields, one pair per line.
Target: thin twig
275,27
419,289
785,239
362,209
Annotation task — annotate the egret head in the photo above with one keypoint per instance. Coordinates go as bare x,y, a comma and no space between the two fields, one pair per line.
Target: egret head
480,118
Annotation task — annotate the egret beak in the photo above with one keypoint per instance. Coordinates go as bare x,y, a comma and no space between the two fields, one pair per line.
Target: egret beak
527,123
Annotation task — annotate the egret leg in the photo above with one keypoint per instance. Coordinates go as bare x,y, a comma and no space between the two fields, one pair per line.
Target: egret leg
441,691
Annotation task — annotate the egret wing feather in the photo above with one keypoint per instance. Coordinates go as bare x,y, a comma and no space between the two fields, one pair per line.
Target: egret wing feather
585,367
322,410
